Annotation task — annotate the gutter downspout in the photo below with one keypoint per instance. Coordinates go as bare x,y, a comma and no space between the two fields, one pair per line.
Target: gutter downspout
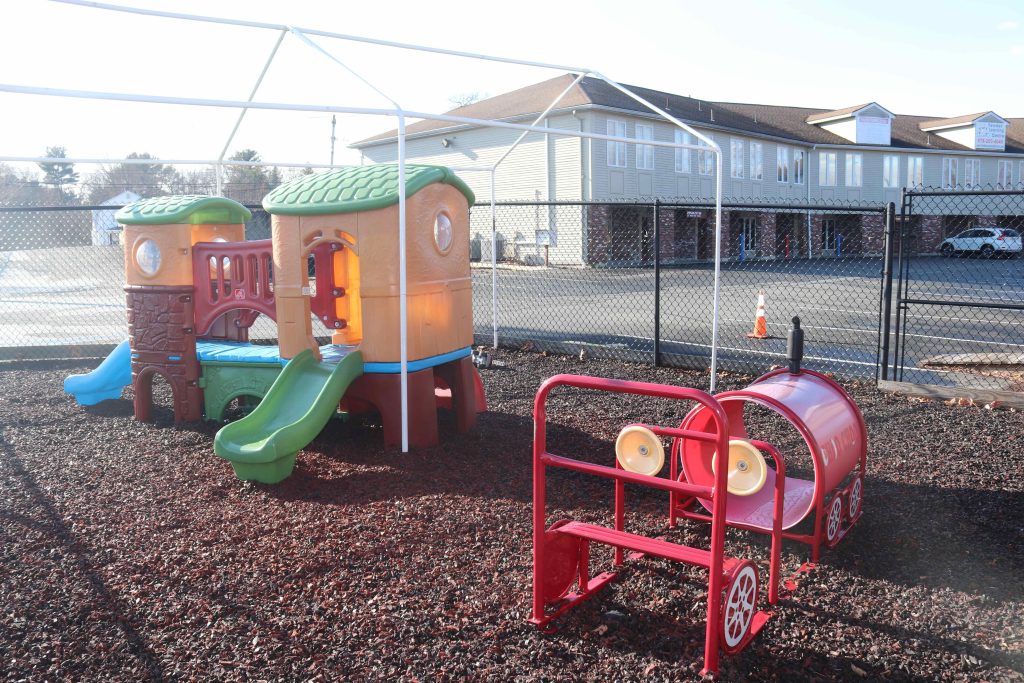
807,179
584,194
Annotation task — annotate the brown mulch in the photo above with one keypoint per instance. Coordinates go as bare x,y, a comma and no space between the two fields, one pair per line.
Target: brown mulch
129,551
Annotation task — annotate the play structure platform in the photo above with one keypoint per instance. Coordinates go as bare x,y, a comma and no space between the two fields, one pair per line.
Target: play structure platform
195,286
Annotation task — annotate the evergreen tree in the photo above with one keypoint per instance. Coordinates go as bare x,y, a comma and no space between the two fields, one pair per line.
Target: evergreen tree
249,184
58,174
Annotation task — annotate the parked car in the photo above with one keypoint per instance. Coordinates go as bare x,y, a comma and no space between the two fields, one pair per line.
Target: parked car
988,241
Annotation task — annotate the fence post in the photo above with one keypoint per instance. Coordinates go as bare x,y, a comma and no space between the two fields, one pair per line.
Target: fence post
890,221
657,283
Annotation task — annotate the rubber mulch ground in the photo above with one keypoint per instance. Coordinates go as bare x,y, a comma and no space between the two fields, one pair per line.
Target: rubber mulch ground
129,551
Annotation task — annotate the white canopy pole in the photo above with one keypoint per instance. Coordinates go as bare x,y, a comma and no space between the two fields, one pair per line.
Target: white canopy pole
718,269
374,111
403,305
256,87
494,260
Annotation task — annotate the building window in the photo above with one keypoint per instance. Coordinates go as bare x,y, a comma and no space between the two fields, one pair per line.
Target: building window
854,170
798,167
756,161
949,172
645,153
827,169
683,155
1004,175
736,158
705,160
828,234
748,231
782,164
972,173
616,150
915,172
890,171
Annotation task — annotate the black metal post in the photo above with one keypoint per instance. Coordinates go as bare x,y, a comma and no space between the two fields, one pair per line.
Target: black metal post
795,346
890,223
902,286
657,283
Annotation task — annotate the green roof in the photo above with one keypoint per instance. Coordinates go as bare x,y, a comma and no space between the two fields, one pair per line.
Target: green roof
190,209
355,188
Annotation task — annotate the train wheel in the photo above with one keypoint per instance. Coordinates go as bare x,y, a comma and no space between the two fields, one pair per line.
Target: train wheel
562,562
834,521
739,606
856,495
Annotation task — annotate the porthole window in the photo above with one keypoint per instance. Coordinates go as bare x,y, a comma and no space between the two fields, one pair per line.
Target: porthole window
443,232
147,257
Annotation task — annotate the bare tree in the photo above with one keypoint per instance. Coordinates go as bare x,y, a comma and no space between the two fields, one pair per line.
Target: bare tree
463,99
146,180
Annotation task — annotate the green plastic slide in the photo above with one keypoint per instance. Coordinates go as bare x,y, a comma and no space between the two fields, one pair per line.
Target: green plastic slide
262,446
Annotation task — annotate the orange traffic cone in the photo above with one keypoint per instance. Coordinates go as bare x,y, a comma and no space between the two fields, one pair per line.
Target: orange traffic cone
760,322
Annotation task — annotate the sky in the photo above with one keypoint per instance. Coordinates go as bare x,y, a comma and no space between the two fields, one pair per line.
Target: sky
934,58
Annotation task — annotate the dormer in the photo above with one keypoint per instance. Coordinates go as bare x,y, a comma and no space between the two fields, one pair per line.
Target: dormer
862,124
983,131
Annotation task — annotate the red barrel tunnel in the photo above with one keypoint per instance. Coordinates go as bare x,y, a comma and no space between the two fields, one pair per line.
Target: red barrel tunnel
819,409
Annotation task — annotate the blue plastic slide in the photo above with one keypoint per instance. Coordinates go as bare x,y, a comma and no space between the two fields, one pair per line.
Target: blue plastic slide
106,381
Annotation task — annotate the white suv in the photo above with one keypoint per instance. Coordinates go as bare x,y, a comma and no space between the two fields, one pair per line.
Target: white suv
987,241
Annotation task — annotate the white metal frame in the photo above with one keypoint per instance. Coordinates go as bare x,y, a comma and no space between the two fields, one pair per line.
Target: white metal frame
306,35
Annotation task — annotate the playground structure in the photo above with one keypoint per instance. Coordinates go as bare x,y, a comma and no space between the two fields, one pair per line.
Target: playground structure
194,287
748,493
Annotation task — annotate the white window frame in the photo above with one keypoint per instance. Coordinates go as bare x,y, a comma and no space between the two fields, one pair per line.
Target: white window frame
748,228
616,150
682,154
950,170
705,160
854,169
782,164
1004,174
644,153
890,171
799,167
915,172
1020,174
827,163
735,157
972,173
756,161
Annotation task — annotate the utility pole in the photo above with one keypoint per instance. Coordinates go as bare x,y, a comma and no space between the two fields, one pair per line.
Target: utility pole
334,121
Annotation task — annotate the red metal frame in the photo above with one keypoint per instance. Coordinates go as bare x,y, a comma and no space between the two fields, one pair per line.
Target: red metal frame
713,559
246,284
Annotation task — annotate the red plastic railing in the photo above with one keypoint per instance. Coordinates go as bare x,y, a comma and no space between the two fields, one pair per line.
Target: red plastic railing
230,276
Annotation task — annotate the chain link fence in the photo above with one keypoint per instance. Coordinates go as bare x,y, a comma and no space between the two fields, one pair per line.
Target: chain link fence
62,281
626,280
635,280
958,309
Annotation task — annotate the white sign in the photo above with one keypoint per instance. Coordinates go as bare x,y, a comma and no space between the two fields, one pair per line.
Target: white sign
543,238
990,135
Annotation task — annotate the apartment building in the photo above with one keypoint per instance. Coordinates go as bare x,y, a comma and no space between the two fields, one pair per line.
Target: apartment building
862,153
